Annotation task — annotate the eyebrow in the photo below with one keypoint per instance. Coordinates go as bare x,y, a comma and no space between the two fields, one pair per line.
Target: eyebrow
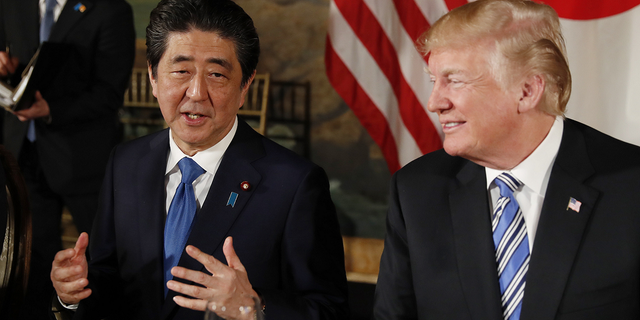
219,61
451,71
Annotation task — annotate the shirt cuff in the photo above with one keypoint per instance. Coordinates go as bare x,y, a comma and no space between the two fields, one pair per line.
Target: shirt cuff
68,306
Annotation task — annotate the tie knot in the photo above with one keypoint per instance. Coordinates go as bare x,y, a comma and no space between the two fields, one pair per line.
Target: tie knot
507,183
50,4
190,170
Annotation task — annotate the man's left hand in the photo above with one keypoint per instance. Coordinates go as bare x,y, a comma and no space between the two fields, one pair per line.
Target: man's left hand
39,109
227,286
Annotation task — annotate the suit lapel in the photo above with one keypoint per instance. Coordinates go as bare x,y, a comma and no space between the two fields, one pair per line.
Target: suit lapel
151,206
560,229
68,18
474,244
216,217
30,18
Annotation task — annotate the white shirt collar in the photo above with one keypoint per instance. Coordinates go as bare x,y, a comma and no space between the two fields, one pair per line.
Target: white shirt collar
540,160
208,159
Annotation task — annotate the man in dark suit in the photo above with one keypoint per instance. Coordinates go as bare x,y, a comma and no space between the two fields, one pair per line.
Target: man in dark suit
524,214
74,118
276,206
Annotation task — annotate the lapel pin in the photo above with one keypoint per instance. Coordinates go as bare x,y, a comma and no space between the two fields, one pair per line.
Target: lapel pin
80,7
232,199
574,204
245,186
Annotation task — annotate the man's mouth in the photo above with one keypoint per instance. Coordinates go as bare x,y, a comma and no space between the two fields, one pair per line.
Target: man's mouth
452,124
193,116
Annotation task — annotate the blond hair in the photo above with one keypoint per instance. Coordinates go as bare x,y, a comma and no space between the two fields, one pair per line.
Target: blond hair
526,37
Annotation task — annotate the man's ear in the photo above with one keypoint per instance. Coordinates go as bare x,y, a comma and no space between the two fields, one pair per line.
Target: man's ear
531,94
154,82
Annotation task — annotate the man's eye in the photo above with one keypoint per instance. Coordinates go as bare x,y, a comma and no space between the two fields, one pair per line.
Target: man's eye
217,75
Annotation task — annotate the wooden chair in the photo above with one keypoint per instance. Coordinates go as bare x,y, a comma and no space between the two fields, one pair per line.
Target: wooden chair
255,103
15,232
140,92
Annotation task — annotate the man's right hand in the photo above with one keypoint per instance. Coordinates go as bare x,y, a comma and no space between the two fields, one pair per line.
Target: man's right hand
69,272
8,64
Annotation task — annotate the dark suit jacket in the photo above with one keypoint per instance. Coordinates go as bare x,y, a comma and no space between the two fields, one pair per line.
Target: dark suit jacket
84,97
285,232
439,260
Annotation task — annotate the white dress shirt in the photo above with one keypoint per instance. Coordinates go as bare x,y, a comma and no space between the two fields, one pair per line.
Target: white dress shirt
534,172
208,159
56,10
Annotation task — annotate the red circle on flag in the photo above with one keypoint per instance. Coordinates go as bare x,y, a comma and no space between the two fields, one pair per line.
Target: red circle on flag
591,9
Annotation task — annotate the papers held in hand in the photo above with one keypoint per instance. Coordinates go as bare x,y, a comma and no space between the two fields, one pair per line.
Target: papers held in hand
43,66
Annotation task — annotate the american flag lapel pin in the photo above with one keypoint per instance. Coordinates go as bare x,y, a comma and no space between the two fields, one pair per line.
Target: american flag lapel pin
574,205
232,199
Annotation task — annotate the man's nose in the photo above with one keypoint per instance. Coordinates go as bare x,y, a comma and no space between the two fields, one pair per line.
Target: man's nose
197,88
438,101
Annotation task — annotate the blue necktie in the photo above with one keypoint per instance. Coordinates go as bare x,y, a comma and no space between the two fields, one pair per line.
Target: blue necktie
511,245
180,217
45,29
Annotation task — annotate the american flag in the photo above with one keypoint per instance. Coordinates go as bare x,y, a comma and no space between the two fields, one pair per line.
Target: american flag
574,205
372,63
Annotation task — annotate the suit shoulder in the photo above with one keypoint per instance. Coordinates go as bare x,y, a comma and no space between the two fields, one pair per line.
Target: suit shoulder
605,150
277,152
140,145
110,9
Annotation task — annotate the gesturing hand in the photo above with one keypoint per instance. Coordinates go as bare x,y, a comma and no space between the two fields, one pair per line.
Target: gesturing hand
69,272
227,286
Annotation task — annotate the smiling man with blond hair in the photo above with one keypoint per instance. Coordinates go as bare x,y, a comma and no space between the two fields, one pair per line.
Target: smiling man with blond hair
525,214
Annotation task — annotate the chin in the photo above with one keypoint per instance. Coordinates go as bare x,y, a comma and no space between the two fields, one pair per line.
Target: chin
451,149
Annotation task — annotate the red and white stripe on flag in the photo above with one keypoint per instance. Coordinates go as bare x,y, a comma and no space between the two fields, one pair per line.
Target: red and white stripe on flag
374,66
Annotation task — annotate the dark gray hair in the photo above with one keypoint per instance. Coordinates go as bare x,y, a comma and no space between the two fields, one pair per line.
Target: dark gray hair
224,17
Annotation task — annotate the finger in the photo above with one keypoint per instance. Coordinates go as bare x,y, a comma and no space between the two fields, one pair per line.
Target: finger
71,287
66,274
230,254
212,264
194,304
4,64
81,246
194,276
75,297
63,258
190,290
26,114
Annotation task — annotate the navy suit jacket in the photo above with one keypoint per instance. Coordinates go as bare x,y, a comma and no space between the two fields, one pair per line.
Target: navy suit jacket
439,260
285,232
84,96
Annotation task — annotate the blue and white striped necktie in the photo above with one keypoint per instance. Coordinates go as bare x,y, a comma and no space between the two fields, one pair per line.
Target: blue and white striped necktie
511,245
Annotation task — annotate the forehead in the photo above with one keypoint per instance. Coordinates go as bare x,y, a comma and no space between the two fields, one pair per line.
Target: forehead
197,45
455,60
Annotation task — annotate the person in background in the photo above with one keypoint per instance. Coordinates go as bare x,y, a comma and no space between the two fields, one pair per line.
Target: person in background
525,214
208,209
63,140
